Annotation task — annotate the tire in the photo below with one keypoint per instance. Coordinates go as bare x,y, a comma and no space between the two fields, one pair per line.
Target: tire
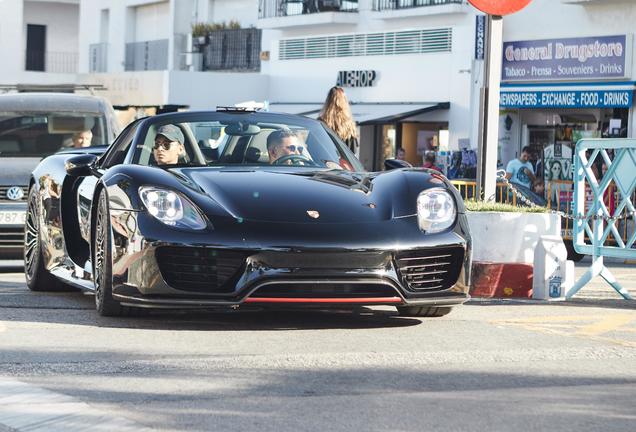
424,311
37,276
102,261
573,255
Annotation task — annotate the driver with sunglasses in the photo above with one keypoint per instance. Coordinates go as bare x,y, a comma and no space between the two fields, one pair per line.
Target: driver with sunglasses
282,146
168,145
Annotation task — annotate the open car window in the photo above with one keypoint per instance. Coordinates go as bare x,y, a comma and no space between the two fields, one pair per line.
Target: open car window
243,140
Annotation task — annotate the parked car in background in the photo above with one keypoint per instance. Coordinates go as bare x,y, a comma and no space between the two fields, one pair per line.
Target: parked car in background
282,213
32,127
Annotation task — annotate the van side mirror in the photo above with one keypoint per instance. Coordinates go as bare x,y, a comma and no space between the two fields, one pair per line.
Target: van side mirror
391,164
80,165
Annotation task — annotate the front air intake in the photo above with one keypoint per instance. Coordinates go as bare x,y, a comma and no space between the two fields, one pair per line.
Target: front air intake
427,270
204,270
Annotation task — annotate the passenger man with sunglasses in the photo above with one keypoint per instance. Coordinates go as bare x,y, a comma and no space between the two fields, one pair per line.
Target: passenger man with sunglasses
168,145
281,143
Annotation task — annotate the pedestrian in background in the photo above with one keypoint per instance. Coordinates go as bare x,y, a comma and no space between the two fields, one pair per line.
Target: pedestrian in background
336,114
429,161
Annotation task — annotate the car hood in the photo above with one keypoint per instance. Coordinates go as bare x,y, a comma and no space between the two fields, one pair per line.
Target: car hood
301,196
16,171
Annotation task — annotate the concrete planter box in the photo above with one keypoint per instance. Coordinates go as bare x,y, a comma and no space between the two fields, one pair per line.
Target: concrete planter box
509,237
503,251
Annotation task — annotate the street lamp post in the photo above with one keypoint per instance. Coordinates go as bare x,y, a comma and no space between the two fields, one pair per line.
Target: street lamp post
489,101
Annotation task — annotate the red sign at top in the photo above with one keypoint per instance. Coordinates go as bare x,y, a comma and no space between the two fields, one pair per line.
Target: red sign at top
499,7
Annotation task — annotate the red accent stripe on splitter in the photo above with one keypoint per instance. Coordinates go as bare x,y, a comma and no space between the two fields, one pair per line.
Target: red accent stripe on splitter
363,300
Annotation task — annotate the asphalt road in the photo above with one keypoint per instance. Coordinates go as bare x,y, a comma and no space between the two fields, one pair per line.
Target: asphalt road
488,366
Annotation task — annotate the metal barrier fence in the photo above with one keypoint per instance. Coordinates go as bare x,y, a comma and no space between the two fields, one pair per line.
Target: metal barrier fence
595,220
468,190
234,49
52,61
380,5
147,55
279,8
98,57
559,196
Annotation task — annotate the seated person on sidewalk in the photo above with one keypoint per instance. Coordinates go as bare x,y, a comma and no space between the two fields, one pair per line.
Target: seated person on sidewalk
520,170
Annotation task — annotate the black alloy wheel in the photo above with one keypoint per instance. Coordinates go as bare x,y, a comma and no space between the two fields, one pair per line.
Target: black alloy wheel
37,276
102,261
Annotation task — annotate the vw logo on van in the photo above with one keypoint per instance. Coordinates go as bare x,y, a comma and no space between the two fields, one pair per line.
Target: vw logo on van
15,193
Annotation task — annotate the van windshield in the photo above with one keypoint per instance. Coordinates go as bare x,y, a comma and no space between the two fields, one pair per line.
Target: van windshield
42,134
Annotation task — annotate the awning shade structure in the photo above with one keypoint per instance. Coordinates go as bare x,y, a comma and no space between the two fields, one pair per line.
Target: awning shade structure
367,113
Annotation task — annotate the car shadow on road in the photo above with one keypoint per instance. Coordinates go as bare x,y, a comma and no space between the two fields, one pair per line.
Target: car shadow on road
77,308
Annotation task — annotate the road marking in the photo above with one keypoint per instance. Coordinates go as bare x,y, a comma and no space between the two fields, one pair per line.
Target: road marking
3,327
588,326
27,407
607,324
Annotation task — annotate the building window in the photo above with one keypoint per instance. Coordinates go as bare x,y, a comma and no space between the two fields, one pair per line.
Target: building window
36,47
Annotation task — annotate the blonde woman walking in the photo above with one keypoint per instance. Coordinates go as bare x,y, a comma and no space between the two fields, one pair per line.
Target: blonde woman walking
336,114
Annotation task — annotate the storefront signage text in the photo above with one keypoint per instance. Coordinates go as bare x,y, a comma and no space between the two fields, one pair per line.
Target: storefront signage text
480,36
360,78
567,99
565,59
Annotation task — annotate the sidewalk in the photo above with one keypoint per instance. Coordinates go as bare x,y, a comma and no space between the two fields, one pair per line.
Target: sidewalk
597,292
598,289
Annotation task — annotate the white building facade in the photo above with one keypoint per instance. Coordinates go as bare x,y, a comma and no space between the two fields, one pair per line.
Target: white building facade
39,42
411,68
407,68
142,52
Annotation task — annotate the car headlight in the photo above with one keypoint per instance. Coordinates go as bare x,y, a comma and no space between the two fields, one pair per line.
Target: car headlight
171,208
436,210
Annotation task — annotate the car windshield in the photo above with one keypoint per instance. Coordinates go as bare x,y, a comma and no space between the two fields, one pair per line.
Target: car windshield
246,139
41,134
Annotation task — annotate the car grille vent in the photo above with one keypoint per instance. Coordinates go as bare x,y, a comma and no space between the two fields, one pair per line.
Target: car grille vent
427,270
4,189
200,269
11,237
308,289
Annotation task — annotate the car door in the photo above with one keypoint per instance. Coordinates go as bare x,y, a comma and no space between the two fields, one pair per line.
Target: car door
114,156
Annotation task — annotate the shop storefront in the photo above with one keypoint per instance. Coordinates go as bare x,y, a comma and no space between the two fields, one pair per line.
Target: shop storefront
384,127
557,91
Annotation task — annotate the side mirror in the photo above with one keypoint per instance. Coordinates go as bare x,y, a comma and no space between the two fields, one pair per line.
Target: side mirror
80,165
391,164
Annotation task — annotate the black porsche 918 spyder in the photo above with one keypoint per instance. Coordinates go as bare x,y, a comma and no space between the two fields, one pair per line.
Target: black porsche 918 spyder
232,208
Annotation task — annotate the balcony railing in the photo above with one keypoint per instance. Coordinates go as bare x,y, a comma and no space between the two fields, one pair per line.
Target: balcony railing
52,61
232,50
280,8
98,57
381,5
147,55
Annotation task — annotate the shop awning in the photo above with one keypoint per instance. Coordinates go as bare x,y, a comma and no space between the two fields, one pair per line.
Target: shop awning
367,113
568,95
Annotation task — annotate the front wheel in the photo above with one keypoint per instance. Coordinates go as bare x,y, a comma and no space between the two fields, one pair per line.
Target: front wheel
37,276
424,311
102,261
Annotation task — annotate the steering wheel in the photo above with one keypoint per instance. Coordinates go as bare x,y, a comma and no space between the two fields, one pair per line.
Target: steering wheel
295,159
